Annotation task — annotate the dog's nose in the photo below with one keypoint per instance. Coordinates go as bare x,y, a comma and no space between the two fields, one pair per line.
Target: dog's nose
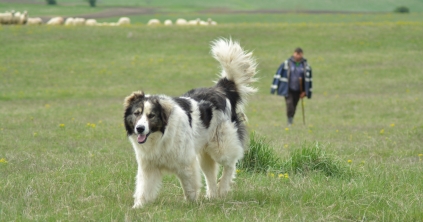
140,129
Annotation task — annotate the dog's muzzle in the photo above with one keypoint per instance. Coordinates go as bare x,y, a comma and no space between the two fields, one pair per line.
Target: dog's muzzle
142,137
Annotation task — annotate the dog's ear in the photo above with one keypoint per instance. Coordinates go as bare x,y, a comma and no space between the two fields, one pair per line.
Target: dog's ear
166,109
135,96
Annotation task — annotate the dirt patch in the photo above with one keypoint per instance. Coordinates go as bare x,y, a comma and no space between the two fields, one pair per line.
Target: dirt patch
116,12
272,11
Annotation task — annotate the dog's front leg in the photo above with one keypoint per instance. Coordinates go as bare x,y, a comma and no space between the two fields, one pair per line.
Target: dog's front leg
148,182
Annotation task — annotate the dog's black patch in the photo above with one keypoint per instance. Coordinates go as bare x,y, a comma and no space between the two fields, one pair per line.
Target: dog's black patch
231,93
159,120
214,95
186,106
242,132
206,113
129,118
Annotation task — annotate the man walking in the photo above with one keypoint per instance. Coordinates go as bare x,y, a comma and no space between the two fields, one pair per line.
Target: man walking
293,81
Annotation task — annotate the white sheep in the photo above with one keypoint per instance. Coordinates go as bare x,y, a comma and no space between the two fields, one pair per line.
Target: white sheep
69,21
55,21
168,22
203,23
16,17
107,24
6,18
23,19
124,21
34,21
91,22
194,22
181,21
153,22
211,22
79,21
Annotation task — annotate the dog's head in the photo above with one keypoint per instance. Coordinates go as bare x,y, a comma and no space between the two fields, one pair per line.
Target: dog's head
145,115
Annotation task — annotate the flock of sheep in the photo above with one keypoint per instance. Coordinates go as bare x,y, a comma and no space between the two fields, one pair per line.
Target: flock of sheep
13,17
19,18
181,21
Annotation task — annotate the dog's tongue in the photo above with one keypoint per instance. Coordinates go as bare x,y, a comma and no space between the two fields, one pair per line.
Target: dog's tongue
141,138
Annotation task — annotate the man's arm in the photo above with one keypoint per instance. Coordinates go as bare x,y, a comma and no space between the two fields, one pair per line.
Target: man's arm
276,79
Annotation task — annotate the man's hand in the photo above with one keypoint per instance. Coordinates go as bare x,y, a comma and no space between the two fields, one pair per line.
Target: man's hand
302,95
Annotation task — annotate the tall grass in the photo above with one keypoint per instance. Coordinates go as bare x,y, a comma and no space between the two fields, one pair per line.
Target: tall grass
261,158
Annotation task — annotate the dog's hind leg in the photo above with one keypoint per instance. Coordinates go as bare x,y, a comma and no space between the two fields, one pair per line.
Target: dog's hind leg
209,167
148,183
190,178
226,150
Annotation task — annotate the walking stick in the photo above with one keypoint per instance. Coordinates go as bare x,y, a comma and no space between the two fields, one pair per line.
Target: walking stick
302,101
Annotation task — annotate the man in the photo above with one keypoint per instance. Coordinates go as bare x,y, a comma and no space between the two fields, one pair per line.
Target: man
287,82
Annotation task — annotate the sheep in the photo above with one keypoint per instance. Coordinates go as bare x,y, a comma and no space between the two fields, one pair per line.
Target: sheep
181,21
55,21
194,22
107,24
23,19
6,18
153,22
79,21
203,23
168,22
91,22
69,21
211,22
16,17
34,21
124,21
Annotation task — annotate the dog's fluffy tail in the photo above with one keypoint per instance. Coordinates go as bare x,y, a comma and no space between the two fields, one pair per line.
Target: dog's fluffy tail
238,66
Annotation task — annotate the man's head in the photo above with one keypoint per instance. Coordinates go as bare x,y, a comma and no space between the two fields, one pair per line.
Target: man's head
298,54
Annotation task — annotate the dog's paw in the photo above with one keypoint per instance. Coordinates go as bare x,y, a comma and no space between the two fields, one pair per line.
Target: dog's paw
137,205
223,190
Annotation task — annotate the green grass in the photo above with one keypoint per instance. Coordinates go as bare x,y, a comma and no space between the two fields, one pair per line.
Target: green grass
366,108
290,18
336,5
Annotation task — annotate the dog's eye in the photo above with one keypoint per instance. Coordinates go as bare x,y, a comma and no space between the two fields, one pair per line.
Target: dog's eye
137,113
151,116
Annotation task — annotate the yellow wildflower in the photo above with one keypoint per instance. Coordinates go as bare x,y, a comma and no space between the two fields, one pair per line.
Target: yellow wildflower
286,175
285,146
238,171
337,131
34,134
392,124
349,161
280,175
62,125
382,131
3,160
271,174
420,154
47,106
286,129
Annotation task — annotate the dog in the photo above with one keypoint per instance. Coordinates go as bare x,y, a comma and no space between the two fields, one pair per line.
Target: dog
201,129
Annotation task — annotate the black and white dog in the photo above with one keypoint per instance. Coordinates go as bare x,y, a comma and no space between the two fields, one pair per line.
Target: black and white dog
203,128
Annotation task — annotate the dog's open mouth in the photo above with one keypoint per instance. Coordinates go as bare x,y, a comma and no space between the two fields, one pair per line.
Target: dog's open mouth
142,138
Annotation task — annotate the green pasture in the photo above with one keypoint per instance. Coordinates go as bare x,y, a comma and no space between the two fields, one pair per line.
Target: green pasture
64,154
192,5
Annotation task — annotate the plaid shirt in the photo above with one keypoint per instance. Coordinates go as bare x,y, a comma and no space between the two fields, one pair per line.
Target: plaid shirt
280,79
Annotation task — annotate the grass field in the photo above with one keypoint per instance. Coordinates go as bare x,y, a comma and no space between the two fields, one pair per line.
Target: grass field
64,154
190,5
